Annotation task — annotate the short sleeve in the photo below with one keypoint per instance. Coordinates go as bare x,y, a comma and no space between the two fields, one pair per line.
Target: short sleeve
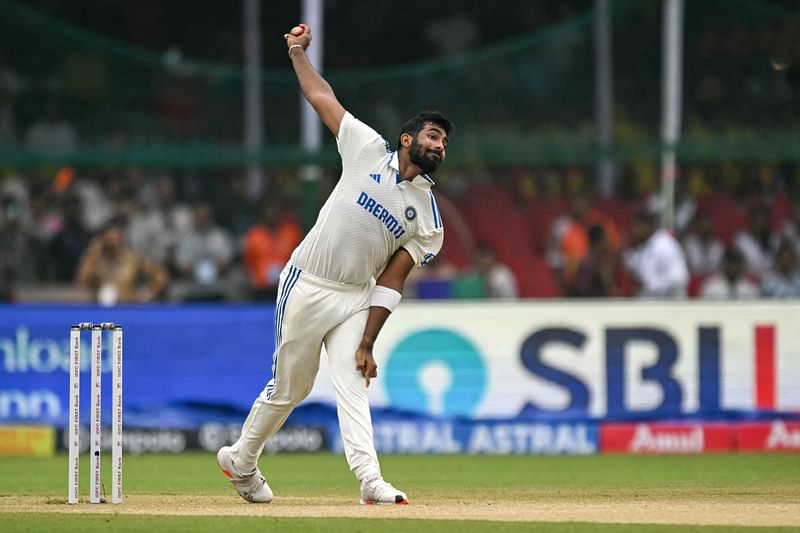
423,248
353,136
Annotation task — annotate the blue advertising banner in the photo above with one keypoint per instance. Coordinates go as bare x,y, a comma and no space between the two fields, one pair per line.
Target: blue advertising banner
487,437
182,365
404,432
472,377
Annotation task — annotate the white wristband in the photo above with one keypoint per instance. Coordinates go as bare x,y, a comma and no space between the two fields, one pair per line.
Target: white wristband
385,297
294,46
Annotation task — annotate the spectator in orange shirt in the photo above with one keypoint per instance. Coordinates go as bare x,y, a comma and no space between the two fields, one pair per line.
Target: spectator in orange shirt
266,249
571,238
597,273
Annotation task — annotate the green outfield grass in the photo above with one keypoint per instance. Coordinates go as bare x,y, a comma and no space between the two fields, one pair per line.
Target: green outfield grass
610,478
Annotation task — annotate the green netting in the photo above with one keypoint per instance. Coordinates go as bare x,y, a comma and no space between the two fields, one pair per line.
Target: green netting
526,100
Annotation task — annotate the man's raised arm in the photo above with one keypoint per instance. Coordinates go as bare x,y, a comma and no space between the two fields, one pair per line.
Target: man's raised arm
316,90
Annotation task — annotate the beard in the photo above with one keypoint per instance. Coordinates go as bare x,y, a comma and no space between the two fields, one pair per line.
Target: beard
428,161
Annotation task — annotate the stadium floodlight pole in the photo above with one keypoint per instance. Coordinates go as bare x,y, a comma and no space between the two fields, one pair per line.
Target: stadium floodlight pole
671,101
253,99
603,95
313,12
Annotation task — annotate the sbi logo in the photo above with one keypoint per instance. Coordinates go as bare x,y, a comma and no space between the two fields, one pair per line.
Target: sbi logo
436,371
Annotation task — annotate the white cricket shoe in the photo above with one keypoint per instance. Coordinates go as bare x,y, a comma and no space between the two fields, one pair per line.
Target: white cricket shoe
377,491
251,486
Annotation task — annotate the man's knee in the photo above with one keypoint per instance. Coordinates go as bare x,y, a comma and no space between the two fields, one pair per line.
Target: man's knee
287,399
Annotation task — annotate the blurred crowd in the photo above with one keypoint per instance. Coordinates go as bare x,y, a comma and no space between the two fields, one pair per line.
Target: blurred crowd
736,232
132,238
137,236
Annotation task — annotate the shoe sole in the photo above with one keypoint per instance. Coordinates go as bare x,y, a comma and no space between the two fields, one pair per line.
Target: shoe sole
372,502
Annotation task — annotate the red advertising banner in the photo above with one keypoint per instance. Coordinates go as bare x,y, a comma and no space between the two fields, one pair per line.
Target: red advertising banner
666,438
775,436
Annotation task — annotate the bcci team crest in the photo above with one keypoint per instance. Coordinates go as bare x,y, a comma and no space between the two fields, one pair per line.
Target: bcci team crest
411,213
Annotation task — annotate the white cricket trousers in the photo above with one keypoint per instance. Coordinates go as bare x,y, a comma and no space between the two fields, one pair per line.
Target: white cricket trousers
311,312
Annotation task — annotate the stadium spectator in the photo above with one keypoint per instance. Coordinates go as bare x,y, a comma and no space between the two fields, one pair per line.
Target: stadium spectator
204,258
731,282
46,222
13,246
17,187
158,221
115,274
597,272
17,229
498,280
67,246
569,239
790,229
756,243
266,249
783,280
704,251
685,205
236,207
97,199
656,260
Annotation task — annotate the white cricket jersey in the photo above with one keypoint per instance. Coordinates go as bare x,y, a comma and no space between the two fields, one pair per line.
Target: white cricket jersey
370,214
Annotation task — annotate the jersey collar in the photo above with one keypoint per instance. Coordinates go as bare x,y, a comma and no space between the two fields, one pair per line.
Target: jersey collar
422,181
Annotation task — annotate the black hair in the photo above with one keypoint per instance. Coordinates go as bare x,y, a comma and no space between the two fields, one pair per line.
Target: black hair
118,221
648,218
415,124
596,234
733,255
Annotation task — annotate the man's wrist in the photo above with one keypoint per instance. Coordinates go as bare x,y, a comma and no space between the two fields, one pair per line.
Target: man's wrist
385,297
300,46
367,343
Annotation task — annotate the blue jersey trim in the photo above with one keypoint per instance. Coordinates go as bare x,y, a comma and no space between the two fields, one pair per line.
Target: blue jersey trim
437,219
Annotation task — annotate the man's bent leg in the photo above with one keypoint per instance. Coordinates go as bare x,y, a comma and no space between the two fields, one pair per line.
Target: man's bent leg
300,324
264,420
298,363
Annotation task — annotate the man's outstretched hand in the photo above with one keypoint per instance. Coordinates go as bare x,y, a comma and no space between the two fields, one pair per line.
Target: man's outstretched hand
295,37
